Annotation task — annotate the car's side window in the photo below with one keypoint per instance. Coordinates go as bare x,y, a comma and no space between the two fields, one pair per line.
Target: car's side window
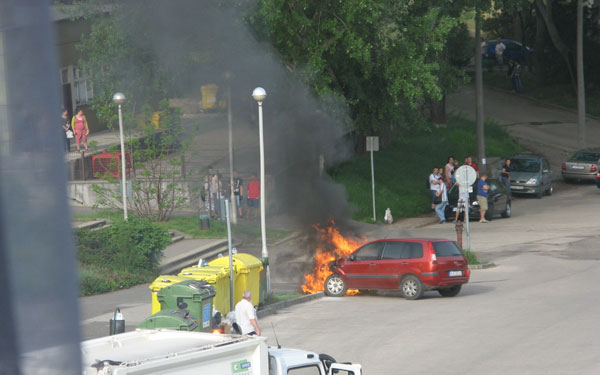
395,250
415,250
369,251
402,250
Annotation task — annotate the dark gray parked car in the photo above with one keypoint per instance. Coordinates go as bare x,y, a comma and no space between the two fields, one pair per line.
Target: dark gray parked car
530,174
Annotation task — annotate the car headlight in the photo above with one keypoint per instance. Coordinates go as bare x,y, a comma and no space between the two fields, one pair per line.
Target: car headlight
531,181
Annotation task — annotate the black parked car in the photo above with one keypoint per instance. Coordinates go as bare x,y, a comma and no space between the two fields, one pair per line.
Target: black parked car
498,201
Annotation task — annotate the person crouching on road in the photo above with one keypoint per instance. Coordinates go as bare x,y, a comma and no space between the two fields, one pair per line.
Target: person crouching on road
245,315
482,194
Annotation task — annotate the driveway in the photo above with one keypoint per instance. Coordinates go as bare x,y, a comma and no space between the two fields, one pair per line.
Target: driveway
548,130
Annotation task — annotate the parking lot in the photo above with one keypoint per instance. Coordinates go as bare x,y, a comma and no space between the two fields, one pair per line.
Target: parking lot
534,313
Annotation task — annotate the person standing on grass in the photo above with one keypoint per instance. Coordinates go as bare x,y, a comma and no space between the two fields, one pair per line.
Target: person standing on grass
80,129
500,48
448,170
245,315
482,194
253,199
516,78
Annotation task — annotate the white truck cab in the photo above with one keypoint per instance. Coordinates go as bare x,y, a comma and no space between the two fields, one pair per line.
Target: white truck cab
283,361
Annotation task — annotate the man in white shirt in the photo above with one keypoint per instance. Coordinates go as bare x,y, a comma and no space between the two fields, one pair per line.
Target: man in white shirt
500,48
245,315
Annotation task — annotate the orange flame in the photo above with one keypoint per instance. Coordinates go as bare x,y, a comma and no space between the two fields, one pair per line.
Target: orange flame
332,245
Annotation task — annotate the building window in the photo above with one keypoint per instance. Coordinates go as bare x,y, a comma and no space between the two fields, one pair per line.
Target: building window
83,91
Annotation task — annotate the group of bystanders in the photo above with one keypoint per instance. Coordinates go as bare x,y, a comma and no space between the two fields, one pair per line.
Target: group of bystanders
216,191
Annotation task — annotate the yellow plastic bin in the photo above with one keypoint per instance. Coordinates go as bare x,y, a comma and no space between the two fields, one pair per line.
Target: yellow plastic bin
246,270
209,96
218,277
161,282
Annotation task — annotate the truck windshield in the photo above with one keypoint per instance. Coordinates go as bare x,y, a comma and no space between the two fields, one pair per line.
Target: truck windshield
446,249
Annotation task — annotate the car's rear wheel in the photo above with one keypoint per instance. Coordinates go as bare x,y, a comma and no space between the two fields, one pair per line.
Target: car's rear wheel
507,212
450,292
335,286
489,214
412,287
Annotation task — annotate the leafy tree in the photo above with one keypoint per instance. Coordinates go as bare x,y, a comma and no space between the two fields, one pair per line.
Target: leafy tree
381,56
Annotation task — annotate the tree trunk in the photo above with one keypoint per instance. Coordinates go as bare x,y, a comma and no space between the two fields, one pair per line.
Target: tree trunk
540,41
561,47
479,94
438,111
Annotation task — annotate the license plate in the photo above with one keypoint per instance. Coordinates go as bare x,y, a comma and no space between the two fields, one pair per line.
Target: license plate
455,273
577,167
517,187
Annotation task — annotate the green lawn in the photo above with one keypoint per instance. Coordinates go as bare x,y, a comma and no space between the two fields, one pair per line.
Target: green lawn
559,94
402,169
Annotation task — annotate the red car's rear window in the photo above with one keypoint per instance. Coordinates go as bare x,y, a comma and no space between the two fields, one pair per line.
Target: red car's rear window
446,249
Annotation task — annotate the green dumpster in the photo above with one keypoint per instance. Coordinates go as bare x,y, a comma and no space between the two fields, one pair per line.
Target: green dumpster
218,277
179,320
196,296
246,270
161,282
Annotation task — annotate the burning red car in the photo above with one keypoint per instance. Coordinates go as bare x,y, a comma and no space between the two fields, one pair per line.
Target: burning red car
411,265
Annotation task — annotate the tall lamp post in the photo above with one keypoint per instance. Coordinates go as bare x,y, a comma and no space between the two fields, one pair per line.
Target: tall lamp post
119,99
259,94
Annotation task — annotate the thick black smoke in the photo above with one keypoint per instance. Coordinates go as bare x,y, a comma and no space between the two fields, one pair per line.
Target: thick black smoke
302,133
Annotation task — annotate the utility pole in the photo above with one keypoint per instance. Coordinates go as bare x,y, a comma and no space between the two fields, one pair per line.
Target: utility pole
581,125
479,94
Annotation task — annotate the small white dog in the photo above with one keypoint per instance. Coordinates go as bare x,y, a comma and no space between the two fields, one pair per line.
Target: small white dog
388,216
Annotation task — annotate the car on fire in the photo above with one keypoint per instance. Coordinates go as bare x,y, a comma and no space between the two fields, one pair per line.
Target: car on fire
411,265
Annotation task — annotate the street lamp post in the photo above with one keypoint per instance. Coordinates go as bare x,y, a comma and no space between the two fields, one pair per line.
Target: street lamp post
259,94
119,99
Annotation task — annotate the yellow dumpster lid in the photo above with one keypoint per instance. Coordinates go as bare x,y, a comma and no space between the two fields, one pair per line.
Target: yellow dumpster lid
223,262
209,274
166,280
248,260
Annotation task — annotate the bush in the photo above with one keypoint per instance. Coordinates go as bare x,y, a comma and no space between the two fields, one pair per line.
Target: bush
125,254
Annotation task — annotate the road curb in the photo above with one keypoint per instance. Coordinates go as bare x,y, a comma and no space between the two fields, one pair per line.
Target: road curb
482,266
273,308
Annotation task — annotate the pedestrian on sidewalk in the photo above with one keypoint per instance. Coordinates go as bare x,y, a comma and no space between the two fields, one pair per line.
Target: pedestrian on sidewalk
516,78
448,170
215,190
245,315
505,175
482,194
500,48
470,163
80,129
434,186
253,199
440,208
66,125
238,192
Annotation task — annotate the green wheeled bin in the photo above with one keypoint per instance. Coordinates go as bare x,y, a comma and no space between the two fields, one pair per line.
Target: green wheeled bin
196,296
218,277
179,319
161,282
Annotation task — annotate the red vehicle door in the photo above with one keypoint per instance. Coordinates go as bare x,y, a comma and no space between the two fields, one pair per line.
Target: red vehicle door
360,269
399,258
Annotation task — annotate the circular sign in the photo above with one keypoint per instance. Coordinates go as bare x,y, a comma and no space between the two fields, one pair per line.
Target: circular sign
466,175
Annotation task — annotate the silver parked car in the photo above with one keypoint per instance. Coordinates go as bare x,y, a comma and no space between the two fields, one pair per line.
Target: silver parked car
583,165
530,174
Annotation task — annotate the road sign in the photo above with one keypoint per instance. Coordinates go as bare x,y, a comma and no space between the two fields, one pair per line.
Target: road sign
466,175
372,143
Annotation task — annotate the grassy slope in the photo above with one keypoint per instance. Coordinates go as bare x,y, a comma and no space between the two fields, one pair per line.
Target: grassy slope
401,170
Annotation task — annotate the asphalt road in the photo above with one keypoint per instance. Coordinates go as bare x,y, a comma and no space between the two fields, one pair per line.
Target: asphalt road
535,313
